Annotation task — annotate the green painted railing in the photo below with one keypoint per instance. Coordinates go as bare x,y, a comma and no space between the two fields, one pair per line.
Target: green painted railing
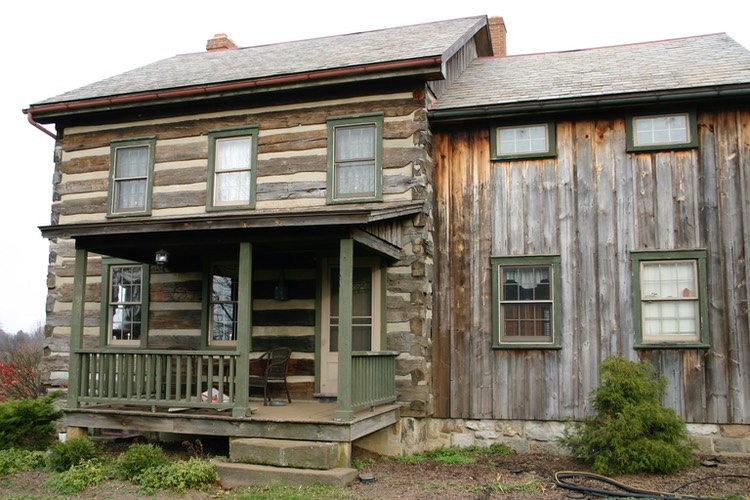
184,379
373,378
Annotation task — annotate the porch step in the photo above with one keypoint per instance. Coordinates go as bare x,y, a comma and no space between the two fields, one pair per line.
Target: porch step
234,475
285,453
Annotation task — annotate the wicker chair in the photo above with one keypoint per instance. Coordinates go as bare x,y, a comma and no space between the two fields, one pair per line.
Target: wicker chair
274,365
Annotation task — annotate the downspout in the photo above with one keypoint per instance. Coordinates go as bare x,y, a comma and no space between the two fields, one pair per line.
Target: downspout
38,125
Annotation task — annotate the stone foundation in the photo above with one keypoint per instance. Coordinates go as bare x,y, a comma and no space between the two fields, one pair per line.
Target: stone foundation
413,435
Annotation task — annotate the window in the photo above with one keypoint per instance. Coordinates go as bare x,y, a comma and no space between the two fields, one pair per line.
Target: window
537,140
131,173
673,131
223,295
526,305
232,156
125,302
669,298
354,158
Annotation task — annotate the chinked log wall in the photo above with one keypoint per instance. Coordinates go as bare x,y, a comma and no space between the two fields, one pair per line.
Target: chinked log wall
291,173
592,204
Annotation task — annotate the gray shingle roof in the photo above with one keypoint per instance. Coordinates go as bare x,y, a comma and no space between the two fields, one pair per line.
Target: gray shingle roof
685,63
393,44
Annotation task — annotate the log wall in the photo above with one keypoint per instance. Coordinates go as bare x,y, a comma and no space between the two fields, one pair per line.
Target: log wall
592,205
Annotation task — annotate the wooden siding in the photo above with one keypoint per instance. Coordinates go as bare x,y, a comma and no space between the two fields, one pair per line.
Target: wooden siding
592,205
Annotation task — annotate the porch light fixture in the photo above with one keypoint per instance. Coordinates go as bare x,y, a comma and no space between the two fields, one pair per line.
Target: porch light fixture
162,259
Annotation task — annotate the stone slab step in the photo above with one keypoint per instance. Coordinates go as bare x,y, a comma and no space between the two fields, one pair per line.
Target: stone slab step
234,475
285,453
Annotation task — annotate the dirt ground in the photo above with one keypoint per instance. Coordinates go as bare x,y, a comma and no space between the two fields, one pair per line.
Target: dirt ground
521,476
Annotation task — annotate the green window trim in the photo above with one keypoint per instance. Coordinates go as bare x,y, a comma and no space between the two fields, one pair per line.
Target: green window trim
215,137
552,264
697,256
549,151
116,148
336,124
105,337
691,141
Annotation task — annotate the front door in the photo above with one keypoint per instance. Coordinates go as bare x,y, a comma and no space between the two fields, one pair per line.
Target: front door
365,318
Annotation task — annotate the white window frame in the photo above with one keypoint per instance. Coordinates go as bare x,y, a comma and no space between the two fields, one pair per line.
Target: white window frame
110,306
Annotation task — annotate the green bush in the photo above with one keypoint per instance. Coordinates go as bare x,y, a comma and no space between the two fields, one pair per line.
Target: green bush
61,456
630,431
79,477
17,460
138,458
28,423
178,476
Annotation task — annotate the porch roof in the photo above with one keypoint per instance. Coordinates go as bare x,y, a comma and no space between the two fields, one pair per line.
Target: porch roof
137,238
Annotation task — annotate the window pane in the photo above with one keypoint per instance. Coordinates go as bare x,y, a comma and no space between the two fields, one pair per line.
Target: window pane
131,162
354,161
661,130
526,283
125,302
355,179
233,154
232,187
355,143
520,140
130,195
224,291
668,280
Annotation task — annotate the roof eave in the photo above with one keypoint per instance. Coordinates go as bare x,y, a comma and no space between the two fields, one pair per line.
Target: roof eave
426,68
587,103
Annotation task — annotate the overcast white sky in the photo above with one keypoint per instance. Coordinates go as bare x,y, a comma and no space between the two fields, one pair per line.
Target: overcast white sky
50,47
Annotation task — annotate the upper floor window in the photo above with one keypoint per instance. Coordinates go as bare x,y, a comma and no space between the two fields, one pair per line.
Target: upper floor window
131,176
536,140
354,158
526,305
223,303
232,158
669,298
669,131
126,302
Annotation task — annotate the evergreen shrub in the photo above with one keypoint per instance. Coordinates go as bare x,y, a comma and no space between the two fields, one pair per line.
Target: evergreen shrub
630,431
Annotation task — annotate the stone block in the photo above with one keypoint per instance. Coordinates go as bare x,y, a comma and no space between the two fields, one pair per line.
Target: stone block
284,453
735,431
462,440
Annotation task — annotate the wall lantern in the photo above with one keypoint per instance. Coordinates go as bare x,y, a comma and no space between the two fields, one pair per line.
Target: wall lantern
162,259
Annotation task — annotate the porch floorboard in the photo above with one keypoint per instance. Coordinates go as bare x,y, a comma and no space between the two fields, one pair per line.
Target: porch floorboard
305,420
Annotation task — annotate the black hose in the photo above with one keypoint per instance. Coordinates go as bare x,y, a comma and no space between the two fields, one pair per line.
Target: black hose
626,491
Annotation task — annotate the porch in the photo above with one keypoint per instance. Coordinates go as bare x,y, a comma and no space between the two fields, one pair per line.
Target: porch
300,420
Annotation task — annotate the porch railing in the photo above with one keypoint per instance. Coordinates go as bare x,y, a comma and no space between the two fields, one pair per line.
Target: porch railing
185,379
373,378
202,379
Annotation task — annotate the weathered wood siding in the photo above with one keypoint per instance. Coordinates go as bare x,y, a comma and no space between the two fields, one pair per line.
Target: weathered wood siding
592,205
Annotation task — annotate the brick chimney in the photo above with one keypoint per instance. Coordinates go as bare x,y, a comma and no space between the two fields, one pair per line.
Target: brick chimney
220,41
497,36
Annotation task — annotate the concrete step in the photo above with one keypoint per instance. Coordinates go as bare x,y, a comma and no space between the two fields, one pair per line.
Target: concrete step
234,475
287,453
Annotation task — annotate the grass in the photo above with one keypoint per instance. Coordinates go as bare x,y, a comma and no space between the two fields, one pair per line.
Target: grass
275,492
456,456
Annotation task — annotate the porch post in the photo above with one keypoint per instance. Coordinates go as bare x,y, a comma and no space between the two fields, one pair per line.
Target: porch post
346,270
244,329
76,327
